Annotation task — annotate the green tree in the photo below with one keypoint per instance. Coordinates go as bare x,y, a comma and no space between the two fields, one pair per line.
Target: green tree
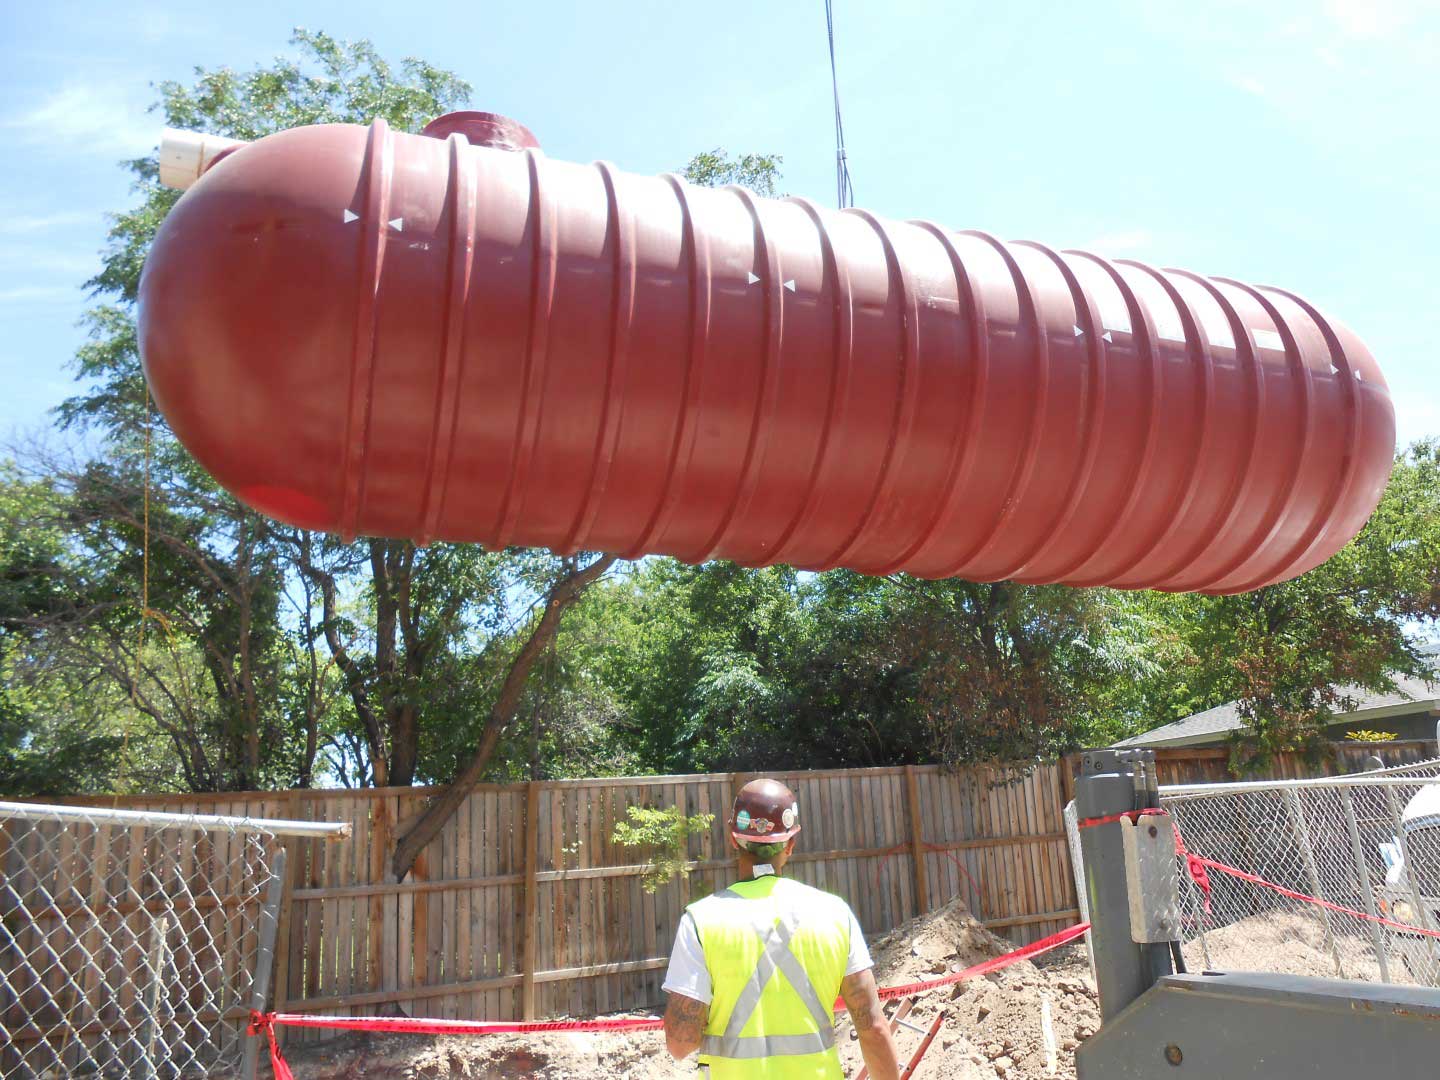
45,749
221,660
268,647
716,168
1293,654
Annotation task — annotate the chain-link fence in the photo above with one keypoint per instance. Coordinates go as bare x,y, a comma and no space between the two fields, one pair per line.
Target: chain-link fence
134,943
1368,843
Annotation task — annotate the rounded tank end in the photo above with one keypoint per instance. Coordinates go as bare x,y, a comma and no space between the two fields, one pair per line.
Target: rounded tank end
484,129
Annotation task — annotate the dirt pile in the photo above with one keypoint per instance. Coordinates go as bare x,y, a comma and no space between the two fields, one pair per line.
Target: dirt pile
994,1027
563,1056
1288,941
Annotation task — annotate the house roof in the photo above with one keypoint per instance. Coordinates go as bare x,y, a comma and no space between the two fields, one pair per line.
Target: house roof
1410,695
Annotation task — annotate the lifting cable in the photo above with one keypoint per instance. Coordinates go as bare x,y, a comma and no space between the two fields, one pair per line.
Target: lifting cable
844,192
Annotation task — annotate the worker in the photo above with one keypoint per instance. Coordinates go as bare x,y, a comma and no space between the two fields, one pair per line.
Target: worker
756,967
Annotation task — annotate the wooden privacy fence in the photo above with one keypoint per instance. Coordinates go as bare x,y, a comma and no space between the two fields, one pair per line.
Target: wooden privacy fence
524,907
1204,765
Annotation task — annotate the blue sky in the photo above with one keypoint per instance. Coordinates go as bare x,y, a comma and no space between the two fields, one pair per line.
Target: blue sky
1287,143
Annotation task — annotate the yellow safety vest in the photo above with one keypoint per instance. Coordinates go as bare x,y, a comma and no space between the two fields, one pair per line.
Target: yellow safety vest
776,952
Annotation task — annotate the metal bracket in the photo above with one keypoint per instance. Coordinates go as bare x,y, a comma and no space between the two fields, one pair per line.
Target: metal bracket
1151,879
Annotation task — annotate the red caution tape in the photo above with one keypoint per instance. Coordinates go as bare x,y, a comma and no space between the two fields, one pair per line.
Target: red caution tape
1194,865
1293,895
1044,945
1131,816
405,1025
265,1023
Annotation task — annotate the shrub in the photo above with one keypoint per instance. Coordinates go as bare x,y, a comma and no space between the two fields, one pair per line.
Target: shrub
667,833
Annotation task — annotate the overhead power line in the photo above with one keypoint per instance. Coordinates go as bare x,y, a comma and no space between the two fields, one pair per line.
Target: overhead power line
844,192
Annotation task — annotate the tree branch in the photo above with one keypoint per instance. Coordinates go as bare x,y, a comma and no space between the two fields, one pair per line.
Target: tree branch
443,806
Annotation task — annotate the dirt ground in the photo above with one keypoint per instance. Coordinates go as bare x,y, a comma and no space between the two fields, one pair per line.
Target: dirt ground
1287,941
993,1027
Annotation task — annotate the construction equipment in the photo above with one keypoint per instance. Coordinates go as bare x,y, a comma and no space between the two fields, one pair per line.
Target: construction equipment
1158,1019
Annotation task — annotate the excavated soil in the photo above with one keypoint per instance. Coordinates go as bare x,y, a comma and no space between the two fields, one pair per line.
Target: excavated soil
1289,942
993,1026
564,1056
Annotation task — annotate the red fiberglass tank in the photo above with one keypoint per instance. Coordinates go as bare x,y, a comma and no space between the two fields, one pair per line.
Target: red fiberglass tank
410,336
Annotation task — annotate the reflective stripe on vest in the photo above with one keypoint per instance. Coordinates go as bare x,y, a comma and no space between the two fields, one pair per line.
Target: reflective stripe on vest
776,955
777,952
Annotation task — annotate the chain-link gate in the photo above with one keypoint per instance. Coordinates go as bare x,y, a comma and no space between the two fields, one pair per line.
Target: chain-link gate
135,943
1368,843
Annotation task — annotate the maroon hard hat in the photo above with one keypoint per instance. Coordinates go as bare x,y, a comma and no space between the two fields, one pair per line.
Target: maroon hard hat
765,812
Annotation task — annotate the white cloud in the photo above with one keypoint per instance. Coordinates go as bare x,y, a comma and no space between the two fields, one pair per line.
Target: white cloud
26,293
22,224
91,118
73,261
1247,83
1369,18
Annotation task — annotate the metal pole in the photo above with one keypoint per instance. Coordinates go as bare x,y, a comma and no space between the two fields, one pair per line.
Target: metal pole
151,1024
1312,873
1113,782
155,819
265,959
1240,787
1367,889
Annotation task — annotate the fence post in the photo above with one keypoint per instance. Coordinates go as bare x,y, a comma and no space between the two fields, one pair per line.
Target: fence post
283,945
159,928
267,934
282,926
1114,782
917,842
1362,872
1312,873
532,900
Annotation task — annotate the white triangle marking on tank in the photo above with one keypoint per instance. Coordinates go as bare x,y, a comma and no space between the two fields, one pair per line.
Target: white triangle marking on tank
790,284
750,277
350,216
398,224
1078,331
1106,337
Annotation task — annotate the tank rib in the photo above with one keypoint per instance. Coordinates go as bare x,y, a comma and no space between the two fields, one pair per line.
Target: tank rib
460,208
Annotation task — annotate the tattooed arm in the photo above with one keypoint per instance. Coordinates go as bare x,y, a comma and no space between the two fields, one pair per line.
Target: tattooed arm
877,1044
685,1020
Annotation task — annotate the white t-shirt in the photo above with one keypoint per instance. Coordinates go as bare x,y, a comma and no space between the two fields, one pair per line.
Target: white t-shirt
689,976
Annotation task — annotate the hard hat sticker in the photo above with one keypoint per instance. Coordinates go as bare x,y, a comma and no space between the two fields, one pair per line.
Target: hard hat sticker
742,820
762,825
791,815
